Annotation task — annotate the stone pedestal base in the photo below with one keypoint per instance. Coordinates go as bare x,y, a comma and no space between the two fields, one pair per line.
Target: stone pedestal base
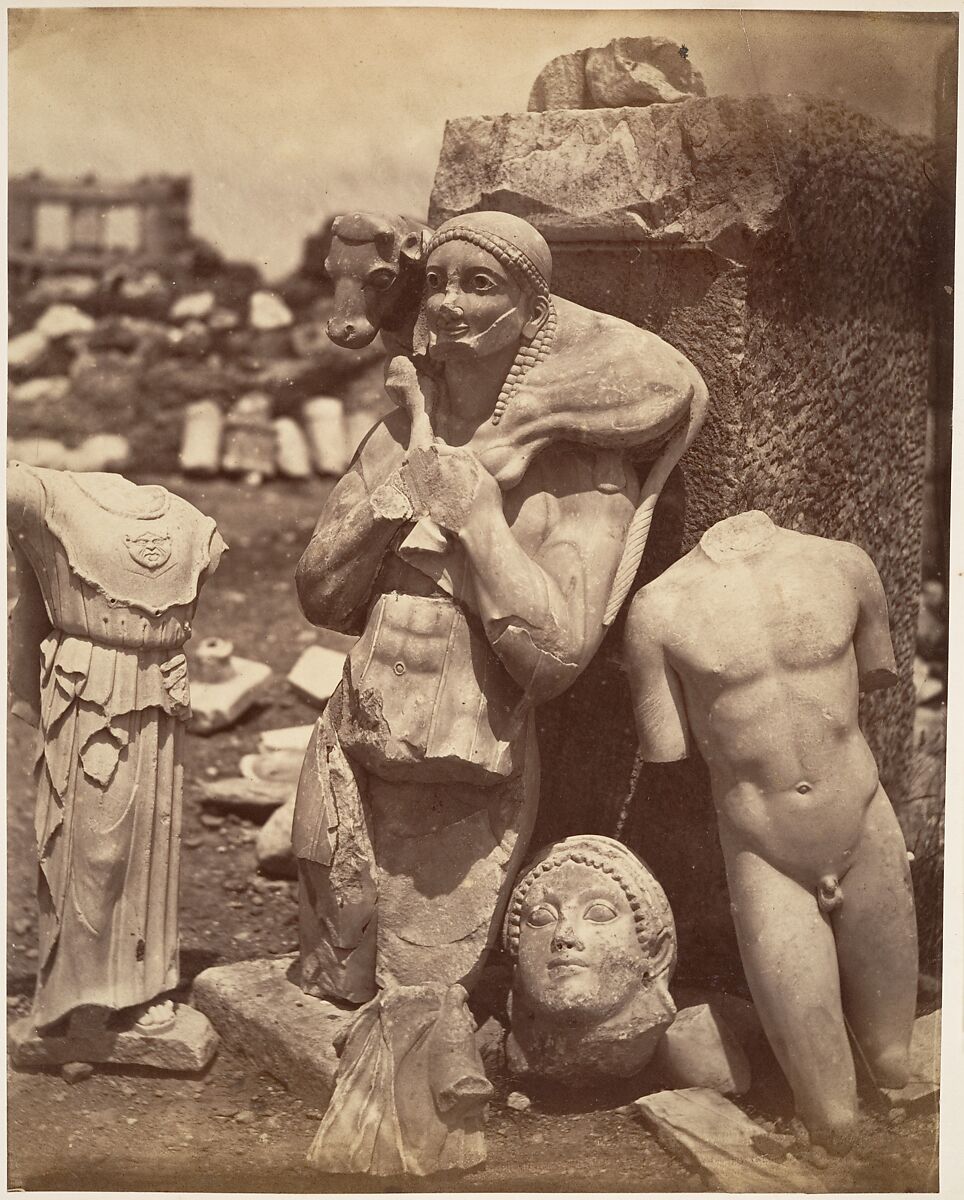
261,1012
188,1046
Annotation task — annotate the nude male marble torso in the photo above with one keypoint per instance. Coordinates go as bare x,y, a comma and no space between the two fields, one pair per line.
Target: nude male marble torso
756,646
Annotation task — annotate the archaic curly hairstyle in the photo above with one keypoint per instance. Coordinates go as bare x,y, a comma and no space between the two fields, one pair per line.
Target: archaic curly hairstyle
655,928
523,251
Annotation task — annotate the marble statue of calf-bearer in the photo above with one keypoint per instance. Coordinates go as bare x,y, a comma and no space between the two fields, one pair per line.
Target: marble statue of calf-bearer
756,646
109,575
485,534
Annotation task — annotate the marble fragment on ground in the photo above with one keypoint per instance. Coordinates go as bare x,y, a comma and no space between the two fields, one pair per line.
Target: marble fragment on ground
411,1091
273,849
709,1133
924,1081
317,673
292,738
252,795
700,1050
223,686
261,1013
188,1046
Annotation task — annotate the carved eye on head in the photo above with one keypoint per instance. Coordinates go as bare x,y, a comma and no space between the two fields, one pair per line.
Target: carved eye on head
599,912
433,280
482,283
381,279
542,914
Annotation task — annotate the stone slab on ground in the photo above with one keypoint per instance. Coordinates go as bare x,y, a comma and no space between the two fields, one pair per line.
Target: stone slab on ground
924,1083
240,794
712,1135
188,1046
218,705
263,1015
273,766
273,849
291,738
701,1050
317,673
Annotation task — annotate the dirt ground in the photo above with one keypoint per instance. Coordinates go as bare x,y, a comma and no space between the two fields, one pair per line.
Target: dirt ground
233,1129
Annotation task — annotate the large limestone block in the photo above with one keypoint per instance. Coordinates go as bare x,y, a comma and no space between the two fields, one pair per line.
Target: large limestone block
261,1012
781,244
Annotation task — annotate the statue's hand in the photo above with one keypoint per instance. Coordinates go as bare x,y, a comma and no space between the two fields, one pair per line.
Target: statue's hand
405,389
451,485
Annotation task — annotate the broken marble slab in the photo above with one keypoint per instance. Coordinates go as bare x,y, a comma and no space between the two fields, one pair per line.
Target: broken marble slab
188,1045
267,780
701,1050
272,766
324,421
317,673
293,456
223,685
248,795
266,310
50,390
260,1012
924,1083
711,1135
203,431
292,738
272,847
62,320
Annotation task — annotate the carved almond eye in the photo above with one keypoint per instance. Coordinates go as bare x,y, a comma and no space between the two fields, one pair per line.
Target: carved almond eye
542,914
381,280
482,283
599,912
433,280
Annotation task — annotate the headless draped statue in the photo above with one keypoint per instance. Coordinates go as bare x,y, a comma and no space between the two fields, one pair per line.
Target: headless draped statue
109,575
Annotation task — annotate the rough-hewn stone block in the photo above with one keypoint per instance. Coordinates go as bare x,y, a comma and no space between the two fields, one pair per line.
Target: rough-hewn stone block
261,1012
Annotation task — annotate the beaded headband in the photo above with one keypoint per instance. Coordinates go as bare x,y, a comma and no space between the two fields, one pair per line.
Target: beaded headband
499,248
652,905
533,351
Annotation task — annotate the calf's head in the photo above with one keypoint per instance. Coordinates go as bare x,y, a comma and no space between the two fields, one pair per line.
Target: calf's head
374,263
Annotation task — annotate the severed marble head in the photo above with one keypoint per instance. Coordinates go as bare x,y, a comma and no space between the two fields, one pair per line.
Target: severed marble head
593,945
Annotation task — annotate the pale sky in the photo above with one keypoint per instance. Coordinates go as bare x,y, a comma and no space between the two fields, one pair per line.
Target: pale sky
284,116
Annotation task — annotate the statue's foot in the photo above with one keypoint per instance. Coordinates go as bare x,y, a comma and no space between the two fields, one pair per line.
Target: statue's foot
154,1018
835,1137
89,1021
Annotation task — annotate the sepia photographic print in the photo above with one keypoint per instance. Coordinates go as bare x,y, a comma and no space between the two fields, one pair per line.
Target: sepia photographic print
479,573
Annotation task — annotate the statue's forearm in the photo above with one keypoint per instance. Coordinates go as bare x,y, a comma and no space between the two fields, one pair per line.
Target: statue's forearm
527,618
336,572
